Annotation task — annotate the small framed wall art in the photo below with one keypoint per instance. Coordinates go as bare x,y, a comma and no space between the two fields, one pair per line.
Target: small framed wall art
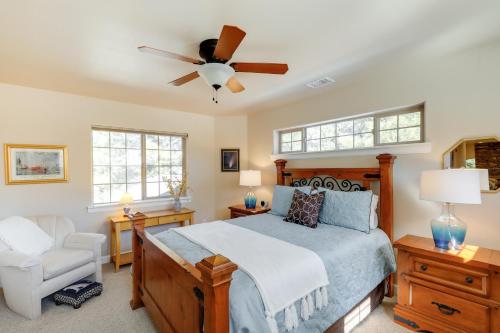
35,164
230,160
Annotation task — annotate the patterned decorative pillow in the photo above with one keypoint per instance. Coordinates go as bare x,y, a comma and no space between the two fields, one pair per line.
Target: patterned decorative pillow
305,208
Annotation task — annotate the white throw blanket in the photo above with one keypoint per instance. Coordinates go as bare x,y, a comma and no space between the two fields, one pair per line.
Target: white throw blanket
284,273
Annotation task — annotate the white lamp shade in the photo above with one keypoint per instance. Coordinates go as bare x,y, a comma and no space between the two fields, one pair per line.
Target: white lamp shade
451,185
483,178
215,73
126,198
250,178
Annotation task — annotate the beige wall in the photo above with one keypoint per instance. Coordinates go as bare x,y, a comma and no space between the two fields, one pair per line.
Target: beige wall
230,132
43,117
462,98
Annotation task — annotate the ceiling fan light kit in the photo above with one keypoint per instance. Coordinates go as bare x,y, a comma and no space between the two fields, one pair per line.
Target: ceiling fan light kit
214,70
215,74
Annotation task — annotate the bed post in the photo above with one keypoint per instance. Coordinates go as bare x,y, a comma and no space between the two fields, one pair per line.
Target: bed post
216,277
386,161
138,221
280,167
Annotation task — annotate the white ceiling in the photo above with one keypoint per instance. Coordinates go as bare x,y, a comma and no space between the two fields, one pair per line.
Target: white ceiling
89,47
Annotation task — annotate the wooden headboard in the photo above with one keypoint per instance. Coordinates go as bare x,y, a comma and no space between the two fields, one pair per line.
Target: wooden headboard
349,179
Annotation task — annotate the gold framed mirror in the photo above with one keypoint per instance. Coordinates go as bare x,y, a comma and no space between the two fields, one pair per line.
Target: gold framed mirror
479,153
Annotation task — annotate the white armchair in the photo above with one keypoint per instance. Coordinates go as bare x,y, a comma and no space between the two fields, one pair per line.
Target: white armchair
26,280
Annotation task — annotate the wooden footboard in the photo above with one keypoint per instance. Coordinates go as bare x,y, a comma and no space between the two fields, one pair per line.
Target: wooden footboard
179,297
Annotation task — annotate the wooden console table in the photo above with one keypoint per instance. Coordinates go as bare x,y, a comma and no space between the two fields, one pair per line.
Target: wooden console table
120,223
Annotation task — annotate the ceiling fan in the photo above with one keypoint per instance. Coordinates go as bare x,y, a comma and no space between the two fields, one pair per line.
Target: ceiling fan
215,70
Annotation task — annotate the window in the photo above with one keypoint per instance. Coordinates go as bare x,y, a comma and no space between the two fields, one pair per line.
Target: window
291,141
399,126
402,127
139,163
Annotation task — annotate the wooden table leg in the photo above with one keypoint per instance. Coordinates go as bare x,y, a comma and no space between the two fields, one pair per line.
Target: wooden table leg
111,242
117,246
191,219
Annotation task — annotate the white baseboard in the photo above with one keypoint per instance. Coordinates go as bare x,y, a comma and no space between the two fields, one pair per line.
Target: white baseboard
106,259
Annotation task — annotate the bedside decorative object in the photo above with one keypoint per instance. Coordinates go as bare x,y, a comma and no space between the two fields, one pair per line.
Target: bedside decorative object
447,291
120,223
126,200
176,192
230,160
241,210
250,178
482,153
450,186
264,204
35,164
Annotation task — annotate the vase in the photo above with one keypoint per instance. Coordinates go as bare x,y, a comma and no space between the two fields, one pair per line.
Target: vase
177,205
250,200
448,230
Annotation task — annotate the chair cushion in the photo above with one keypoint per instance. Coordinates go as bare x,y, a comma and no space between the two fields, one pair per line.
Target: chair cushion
57,227
59,261
22,235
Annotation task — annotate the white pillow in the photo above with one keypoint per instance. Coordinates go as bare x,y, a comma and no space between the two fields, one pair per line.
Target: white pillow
24,236
373,213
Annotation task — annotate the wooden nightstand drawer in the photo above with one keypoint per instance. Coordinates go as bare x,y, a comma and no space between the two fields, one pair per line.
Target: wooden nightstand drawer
151,222
455,311
174,218
474,281
237,214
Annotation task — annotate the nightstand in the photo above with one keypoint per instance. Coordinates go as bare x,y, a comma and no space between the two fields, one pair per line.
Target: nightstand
447,291
120,223
241,210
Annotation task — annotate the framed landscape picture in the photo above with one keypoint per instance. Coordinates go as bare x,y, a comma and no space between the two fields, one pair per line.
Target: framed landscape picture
35,164
230,160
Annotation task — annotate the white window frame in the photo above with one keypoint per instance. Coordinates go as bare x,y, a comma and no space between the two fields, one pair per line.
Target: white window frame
302,147
145,201
377,146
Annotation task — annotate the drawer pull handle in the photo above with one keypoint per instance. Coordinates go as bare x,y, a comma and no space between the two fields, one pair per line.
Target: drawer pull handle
423,267
469,279
445,309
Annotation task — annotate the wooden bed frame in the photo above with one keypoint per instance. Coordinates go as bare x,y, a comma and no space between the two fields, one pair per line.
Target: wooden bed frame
185,298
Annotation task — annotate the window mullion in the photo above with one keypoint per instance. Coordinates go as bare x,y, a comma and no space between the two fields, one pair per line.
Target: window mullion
143,166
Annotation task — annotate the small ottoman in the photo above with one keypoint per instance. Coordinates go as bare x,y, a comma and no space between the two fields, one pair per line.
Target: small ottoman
78,293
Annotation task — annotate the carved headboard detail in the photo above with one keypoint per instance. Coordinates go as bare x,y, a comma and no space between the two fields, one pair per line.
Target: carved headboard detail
349,179
330,183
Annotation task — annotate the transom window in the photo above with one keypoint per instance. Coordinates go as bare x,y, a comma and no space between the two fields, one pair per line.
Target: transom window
404,125
291,141
140,163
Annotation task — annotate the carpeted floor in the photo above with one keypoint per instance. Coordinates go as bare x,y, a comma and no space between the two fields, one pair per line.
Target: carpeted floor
110,312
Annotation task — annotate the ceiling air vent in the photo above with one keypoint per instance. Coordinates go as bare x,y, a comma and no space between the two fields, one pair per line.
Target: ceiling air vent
320,82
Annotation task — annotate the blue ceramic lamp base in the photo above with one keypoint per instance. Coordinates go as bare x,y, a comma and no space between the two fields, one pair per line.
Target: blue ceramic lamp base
448,230
250,200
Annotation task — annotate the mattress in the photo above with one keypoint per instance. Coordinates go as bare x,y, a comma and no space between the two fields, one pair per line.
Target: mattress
356,262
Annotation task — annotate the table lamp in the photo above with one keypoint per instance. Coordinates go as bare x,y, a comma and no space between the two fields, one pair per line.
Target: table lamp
126,200
450,186
250,178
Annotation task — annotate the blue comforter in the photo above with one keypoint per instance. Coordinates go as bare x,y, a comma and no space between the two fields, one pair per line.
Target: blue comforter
356,263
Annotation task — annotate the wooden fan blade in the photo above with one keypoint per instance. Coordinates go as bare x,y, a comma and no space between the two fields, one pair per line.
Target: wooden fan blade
229,40
266,68
234,85
171,55
185,79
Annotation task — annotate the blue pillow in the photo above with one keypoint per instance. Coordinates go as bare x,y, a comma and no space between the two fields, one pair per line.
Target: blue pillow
347,209
282,198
